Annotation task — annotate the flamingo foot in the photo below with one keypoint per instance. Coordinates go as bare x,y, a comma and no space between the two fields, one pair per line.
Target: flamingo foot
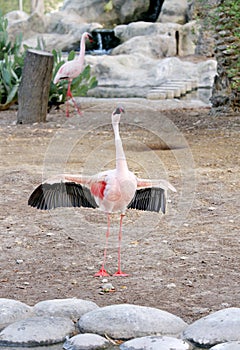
120,273
80,112
101,273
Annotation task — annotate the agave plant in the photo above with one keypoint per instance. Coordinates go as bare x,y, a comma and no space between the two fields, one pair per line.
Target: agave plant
10,73
11,63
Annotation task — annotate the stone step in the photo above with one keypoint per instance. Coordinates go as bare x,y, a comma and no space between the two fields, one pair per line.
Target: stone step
191,83
169,91
172,89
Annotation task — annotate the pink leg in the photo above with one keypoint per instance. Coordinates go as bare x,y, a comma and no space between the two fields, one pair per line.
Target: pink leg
119,271
69,95
102,272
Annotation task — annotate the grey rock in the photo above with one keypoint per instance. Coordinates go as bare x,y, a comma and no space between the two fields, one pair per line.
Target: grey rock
87,341
121,10
126,321
186,42
41,347
37,331
139,73
12,310
130,11
127,31
233,345
155,343
174,11
72,308
218,327
16,15
157,46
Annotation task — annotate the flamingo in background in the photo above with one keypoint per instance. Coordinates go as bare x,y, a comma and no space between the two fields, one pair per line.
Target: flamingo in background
72,69
110,191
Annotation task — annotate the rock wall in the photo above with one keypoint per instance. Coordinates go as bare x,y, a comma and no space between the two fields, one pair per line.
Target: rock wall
160,39
112,12
106,12
174,11
226,88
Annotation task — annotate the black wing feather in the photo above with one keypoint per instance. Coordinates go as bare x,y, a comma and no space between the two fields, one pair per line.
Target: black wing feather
64,194
149,199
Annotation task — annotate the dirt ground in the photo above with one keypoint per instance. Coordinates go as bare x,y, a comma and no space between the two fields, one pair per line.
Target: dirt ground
185,262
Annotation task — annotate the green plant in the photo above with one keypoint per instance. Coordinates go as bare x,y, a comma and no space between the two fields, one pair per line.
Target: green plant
79,86
10,73
5,45
11,63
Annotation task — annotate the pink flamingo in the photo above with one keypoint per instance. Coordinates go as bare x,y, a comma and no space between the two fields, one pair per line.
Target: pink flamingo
72,69
110,191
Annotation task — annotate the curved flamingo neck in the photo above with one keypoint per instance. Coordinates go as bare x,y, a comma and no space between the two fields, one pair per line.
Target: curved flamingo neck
121,163
82,48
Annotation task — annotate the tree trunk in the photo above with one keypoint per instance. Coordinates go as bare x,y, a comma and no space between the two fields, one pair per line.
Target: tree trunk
34,87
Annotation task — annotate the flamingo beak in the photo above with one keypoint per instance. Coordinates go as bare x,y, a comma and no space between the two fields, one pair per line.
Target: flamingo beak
119,110
90,38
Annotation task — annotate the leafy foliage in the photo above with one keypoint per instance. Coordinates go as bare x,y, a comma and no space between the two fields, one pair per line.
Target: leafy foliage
11,63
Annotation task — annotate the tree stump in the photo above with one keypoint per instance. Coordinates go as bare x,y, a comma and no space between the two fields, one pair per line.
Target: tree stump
34,87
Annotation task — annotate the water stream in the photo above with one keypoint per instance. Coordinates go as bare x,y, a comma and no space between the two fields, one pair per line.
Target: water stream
104,40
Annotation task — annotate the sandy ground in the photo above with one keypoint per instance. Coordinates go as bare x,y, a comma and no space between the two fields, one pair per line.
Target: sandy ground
185,262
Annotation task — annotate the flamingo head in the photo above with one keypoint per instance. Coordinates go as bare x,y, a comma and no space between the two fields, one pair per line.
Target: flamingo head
116,115
88,36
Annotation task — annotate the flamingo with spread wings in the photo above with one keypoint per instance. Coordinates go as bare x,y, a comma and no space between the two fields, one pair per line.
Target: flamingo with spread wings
72,69
111,191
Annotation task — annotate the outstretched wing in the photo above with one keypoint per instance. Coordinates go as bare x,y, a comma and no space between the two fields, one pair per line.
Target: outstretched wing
149,199
63,194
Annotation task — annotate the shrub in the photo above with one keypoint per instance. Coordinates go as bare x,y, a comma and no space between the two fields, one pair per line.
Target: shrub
11,63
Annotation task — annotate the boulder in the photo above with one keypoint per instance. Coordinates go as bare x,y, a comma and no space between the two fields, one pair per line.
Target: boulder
157,46
123,11
72,308
174,11
130,72
63,22
12,310
181,38
155,343
127,31
232,345
37,331
218,327
107,12
126,321
87,341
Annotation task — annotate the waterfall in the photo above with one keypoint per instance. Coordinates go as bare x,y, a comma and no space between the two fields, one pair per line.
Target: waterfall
104,41
99,39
